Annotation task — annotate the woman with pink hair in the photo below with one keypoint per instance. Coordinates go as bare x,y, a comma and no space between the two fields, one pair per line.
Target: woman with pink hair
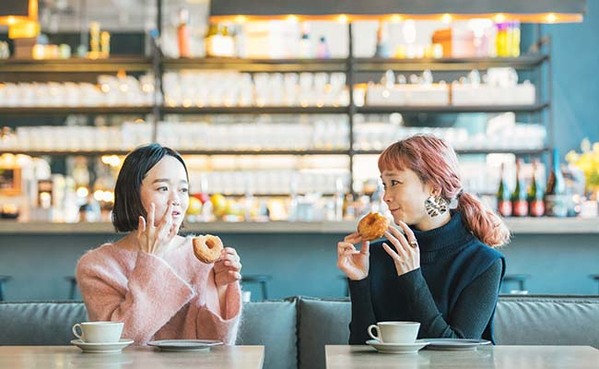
439,266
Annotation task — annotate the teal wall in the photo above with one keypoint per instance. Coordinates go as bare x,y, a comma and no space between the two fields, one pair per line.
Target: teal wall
300,264
575,62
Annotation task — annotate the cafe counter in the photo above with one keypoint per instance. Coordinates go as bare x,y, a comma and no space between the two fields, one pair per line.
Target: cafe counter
556,255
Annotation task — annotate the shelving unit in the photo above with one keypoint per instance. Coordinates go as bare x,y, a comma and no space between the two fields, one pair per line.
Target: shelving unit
350,66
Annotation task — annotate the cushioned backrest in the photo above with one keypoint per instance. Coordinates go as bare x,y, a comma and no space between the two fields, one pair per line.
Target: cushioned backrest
321,322
547,320
39,323
272,324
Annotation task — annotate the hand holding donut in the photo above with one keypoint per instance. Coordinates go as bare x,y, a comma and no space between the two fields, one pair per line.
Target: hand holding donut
209,249
355,264
227,268
406,254
154,238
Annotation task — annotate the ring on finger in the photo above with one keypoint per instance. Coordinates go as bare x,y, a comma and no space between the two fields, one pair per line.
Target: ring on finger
414,243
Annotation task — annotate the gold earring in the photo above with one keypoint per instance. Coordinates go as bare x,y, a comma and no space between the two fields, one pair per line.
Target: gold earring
436,205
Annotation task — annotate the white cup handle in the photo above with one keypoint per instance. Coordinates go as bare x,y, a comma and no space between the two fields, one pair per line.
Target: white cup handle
370,328
75,331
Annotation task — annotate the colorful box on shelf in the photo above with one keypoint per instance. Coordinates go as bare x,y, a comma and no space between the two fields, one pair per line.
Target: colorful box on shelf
418,95
456,43
468,95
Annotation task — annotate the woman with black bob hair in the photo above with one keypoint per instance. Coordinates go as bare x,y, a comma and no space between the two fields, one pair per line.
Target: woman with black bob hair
149,279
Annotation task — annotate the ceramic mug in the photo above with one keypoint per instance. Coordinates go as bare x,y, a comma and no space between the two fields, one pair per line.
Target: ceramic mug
98,332
394,332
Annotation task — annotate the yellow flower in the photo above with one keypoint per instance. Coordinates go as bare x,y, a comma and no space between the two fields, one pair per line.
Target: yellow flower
587,161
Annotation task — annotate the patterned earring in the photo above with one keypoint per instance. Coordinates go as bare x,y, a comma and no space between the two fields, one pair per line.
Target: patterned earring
435,205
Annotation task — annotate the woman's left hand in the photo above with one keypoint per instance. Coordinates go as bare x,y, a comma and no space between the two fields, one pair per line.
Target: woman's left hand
227,268
405,254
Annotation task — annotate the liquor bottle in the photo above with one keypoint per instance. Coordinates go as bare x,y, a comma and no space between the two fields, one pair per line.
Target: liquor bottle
183,34
504,204
519,203
536,206
555,194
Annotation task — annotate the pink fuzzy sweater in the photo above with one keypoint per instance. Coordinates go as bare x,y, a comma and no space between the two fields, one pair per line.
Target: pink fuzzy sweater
173,296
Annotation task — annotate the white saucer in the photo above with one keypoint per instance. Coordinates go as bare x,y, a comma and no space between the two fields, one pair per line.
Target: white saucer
397,348
102,348
184,345
455,344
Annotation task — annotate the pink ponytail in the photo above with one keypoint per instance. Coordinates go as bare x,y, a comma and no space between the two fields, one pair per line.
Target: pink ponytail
482,221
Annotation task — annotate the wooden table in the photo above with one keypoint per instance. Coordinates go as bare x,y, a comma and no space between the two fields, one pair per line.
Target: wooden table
71,357
496,357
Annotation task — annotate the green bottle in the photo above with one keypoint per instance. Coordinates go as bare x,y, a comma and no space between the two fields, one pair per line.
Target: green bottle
504,203
519,202
536,205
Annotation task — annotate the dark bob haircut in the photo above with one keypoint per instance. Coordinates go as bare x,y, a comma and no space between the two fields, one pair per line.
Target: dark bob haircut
127,200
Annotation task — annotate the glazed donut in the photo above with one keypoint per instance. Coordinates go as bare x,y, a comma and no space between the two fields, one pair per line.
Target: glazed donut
373,226
207,248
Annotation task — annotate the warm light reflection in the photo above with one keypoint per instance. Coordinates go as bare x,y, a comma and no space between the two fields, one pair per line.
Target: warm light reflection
104,196
342,18
446,18
396,18
292,18
500,18
82,191
111,160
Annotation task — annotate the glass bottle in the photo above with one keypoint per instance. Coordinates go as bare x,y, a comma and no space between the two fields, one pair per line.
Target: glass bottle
515,39
382,45
536,206
183,33
504,203
519,203
501,39
555,194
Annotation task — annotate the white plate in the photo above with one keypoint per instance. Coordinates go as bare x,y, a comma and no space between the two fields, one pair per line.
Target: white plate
397,348
102,348
455,344
184,345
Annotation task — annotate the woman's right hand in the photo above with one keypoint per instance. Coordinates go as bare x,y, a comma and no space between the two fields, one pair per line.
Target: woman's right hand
353,263
154,238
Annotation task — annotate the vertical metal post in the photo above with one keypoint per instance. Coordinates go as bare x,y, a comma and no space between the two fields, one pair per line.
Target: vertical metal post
351,110
157,69
550,122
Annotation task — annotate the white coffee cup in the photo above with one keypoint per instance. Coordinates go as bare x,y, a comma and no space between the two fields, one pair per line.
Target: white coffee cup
98,332
394,332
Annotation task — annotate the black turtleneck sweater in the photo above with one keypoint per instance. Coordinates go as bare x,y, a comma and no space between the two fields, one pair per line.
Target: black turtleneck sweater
453,294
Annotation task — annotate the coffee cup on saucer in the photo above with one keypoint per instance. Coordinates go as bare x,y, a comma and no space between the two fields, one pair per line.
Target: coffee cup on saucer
98,332
394,332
